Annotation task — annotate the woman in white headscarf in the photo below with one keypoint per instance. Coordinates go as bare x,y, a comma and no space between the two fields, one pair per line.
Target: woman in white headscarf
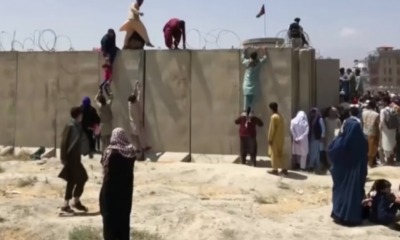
117,189
299,129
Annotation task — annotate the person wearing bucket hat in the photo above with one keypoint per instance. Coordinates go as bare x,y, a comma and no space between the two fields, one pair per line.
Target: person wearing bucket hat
136,33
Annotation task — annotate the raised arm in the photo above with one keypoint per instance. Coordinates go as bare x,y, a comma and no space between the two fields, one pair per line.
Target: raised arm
110,98
243,58
264,57
96,98
138,91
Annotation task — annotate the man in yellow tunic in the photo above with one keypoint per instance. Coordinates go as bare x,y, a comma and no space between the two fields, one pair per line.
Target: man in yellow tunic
135,29
276,140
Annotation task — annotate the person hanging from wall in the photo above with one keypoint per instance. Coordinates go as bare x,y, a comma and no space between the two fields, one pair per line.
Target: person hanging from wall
73,171
248,135
108,46
105,85
136,34
136,121
251,76
296,34
174,30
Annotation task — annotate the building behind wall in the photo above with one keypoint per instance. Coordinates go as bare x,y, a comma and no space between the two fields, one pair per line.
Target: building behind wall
384,68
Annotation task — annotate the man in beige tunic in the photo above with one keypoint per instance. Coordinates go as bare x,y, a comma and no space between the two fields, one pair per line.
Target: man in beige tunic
136,121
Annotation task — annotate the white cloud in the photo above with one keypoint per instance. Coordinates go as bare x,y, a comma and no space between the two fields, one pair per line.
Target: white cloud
348,32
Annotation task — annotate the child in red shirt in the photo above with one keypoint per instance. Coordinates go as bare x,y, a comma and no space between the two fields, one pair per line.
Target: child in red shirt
248,135
105,85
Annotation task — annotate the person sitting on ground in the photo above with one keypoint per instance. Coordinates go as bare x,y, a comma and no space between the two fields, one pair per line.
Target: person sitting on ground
174,30
106,117
105,85
73,171
385,205
248,135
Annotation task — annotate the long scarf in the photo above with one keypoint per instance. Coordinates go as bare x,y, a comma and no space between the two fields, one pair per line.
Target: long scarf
119,142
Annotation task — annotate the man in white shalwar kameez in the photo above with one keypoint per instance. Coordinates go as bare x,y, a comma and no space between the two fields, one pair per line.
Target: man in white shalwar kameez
388,137
299,129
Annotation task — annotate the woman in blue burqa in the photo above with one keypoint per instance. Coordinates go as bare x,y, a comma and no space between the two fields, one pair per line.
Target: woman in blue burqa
349,155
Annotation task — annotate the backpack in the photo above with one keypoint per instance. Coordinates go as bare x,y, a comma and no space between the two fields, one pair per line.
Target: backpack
391,120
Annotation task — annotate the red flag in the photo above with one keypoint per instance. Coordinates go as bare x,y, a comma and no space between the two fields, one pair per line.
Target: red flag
262,11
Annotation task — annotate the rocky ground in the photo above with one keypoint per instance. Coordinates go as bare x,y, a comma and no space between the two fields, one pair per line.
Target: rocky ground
182,201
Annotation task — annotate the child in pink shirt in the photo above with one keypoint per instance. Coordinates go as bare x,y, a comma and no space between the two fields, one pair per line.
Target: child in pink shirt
105,85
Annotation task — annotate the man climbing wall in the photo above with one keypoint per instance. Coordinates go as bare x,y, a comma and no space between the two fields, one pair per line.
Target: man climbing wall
174,30
136,34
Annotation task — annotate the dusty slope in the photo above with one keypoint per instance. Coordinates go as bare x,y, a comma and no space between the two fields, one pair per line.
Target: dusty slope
183,201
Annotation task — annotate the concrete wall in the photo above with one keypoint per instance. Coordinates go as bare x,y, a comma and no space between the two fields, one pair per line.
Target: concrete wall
190,98
8,91
306,79
215,99
277,81
167,100
128,68
327,82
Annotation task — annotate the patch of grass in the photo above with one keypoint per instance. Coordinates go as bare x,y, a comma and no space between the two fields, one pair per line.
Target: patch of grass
24,182
2,169
91,233
85,233
145,235
229,234
265,200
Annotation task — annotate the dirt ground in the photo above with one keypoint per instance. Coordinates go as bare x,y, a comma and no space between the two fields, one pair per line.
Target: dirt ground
182,201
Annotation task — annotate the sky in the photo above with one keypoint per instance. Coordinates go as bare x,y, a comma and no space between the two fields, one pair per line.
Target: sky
344,29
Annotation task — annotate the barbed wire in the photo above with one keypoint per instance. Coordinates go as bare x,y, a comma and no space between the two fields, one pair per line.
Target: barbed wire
284,34
212,38
46,40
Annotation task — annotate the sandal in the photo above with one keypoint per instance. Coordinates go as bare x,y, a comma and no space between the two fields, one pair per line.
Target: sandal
79,206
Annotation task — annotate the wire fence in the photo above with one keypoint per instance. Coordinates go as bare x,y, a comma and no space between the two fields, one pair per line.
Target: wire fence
46,40
213,39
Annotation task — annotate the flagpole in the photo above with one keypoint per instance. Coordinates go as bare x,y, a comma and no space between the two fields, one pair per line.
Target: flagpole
265,23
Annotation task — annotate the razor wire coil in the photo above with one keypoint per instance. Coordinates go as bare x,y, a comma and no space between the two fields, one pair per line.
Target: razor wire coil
213,38
46,40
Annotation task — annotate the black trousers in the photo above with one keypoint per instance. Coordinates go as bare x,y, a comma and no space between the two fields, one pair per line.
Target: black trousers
248,146
92,141
74,190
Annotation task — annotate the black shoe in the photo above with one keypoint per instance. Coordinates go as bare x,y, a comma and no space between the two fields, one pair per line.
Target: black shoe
67,209
79,206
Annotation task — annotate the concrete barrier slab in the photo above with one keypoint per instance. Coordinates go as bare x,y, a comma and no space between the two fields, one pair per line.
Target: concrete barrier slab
214,158
128,68
326,82
36,99
215,101
276,81
167,100
168,157
8,90
78,76
306,79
